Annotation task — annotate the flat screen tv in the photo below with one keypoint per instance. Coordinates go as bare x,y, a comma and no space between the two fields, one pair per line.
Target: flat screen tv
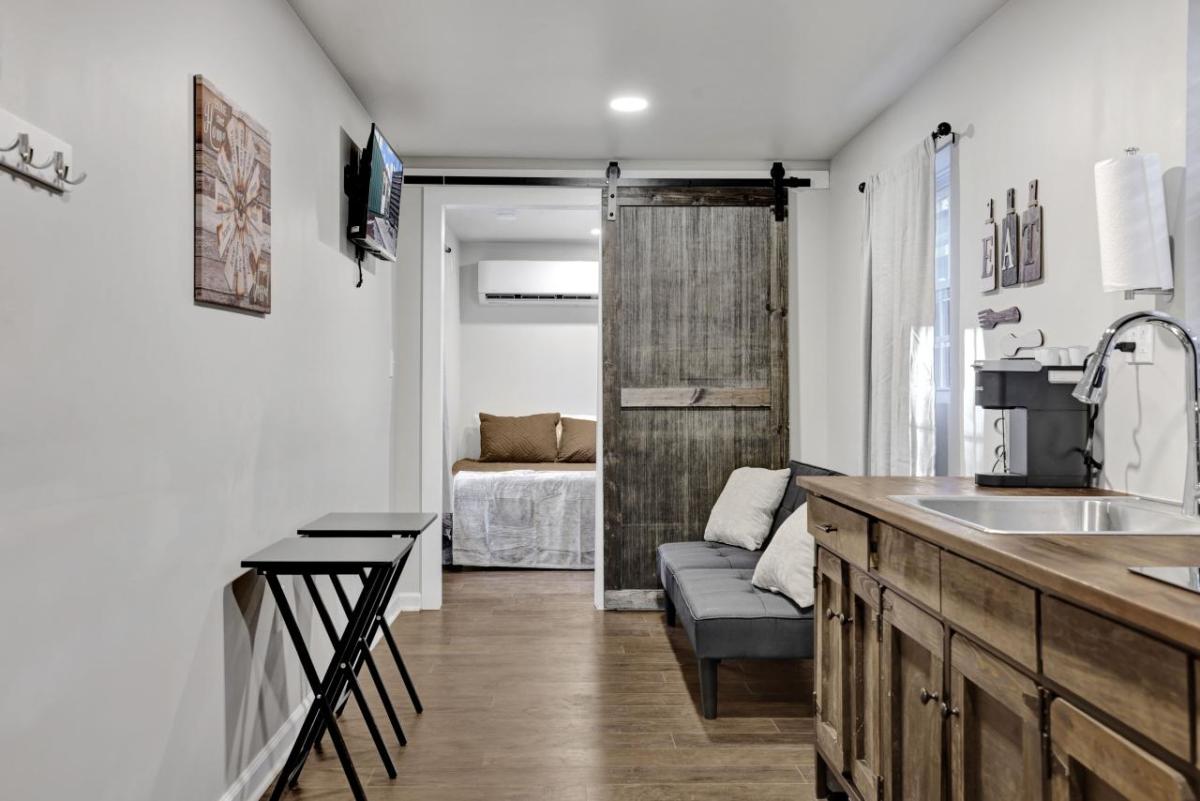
375,198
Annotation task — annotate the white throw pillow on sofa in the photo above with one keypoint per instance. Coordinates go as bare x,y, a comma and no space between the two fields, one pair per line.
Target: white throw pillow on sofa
743,513
786,567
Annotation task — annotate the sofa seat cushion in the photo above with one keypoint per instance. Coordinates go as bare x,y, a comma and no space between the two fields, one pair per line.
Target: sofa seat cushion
676,556
727,617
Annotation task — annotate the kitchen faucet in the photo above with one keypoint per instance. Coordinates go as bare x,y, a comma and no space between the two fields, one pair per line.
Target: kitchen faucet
1091,388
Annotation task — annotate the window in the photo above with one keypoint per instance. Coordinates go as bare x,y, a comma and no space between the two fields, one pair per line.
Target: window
944,373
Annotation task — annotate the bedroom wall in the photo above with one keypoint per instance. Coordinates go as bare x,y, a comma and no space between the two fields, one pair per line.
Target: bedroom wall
149,444
520,359
1108,74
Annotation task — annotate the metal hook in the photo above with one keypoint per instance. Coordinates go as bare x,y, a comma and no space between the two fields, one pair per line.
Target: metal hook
27,157
61,169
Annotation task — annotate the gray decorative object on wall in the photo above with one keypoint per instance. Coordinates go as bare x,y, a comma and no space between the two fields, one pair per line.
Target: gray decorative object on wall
1031,237
990,319
987,273
1009,254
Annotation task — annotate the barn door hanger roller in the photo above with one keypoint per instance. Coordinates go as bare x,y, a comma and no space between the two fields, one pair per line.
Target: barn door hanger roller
611,176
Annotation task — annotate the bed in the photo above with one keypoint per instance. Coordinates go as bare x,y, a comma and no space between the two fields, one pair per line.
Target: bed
517,514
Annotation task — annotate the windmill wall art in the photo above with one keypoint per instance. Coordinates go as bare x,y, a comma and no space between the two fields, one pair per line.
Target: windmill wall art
233,204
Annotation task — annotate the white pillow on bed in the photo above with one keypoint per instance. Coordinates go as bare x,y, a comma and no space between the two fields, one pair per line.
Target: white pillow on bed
786,567
743,513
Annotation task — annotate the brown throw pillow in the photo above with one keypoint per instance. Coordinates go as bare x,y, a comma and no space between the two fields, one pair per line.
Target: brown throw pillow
518,439
578,442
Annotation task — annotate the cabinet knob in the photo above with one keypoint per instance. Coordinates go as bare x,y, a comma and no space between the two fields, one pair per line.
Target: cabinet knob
830,614
845,621
828,528
949,711
927,696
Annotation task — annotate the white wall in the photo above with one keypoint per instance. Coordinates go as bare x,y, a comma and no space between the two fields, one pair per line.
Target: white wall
1041,90
521,359
808,323
150,444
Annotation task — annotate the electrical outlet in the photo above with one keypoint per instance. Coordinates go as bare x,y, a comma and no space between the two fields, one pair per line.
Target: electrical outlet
1142,337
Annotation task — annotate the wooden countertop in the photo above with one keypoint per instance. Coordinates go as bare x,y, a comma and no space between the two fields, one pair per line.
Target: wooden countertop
1090,570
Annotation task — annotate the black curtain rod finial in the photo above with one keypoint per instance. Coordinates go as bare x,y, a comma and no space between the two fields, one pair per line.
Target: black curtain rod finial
943,129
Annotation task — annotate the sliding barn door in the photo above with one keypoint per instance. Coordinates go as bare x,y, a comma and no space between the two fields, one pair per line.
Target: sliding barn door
695,365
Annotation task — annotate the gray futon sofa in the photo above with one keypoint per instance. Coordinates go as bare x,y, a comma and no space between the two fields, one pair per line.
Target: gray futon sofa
707,586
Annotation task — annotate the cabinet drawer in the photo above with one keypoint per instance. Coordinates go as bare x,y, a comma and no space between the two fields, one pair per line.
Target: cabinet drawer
839,529
996,609
910,564
1135,678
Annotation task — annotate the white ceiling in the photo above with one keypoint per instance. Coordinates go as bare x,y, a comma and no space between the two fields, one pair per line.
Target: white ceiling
726,79
511,224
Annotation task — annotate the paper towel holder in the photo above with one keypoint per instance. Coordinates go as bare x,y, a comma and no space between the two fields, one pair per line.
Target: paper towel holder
1169,294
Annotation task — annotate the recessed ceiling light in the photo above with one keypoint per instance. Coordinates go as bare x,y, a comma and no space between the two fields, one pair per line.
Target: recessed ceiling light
595,232
628,103
507,215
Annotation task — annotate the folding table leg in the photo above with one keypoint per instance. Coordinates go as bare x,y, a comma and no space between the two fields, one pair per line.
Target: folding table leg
387,635
320,702
365,651
332,686
368,718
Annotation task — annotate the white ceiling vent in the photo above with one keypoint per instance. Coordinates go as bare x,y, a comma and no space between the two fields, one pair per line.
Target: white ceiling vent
565,283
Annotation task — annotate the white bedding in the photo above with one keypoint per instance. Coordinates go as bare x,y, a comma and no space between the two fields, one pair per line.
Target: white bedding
525,518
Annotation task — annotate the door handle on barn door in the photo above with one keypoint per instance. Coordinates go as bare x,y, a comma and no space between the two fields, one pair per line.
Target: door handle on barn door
692,397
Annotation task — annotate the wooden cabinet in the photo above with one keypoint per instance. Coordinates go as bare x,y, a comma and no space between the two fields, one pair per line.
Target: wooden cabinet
832,681
995,728
1133,677
943,678
1093,763
909,564
993,608
866,634
912,657
841,530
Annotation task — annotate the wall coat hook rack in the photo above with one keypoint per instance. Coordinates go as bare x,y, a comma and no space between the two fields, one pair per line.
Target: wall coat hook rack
34,155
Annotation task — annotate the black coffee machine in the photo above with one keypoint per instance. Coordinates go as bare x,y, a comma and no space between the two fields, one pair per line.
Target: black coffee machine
1045,428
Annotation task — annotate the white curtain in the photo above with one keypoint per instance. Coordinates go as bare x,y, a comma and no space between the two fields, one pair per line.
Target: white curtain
898,249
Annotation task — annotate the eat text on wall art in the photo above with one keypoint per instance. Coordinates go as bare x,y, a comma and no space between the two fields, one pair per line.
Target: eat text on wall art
233,204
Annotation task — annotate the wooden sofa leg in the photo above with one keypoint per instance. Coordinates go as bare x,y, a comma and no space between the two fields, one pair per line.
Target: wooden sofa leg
669,606
708,687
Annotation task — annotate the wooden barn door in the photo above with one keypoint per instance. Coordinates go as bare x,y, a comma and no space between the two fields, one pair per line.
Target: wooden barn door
695,365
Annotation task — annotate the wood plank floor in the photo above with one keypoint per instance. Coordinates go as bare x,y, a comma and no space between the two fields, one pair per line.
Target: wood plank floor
530,693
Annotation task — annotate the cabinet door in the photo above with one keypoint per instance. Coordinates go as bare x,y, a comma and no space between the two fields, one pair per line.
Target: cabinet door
1093,763
995,728
866,629
832,679
912,658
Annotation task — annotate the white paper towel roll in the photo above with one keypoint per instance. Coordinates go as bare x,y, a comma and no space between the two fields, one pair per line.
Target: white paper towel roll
1135,252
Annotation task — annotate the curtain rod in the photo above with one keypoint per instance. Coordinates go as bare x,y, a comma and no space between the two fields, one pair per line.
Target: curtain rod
942,130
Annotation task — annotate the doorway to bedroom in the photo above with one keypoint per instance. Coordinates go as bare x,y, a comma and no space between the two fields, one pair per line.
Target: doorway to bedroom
520,396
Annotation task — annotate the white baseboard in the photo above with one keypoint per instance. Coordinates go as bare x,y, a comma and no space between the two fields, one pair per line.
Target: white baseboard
262,770
405,602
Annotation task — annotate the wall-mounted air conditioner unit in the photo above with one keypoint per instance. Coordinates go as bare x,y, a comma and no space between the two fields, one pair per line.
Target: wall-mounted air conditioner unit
569,283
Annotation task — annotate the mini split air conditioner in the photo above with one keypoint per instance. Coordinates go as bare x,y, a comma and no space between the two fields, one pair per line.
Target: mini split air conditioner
563,283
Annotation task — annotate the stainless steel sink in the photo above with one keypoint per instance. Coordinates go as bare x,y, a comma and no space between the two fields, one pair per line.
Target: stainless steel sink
1033,514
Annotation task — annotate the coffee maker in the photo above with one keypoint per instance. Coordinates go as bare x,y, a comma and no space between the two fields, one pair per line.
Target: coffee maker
1046,430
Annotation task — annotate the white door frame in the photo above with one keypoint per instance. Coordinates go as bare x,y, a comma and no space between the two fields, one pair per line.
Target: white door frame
433,235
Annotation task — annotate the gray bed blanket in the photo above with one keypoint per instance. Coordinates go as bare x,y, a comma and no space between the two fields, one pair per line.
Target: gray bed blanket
525,518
